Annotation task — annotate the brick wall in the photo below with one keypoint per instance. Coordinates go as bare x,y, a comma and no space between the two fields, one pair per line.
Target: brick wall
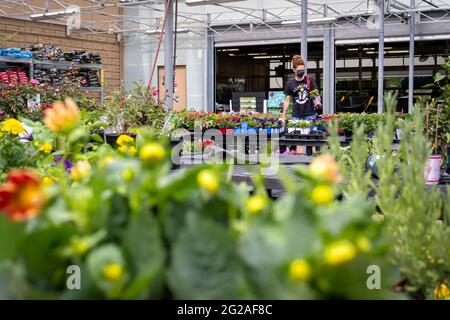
20,33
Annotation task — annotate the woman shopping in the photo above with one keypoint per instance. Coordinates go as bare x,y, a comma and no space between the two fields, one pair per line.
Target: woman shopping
303,90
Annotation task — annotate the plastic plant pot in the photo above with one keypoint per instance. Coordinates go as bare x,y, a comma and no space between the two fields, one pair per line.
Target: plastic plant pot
433,169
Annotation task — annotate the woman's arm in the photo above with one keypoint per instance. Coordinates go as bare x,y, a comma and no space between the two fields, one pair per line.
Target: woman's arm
287,101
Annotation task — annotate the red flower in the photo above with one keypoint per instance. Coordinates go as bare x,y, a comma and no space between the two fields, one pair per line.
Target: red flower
155,92
22,195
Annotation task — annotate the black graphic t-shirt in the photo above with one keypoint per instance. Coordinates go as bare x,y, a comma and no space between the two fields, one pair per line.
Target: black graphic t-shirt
299,91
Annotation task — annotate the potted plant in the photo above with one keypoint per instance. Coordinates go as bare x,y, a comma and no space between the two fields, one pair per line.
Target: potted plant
253,125
126,112
345,123
225,123
302,126
432,132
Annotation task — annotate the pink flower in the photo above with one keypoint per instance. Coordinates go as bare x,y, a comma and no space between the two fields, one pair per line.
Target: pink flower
34,82
84,81
11,85
155,92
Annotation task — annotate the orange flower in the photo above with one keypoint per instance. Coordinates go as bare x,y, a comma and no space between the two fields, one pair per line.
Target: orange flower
22,195
63,117
324,167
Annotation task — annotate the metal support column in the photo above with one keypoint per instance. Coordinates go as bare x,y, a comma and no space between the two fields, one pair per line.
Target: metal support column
168,63
412,32
304,26
210,73
329,70
360,72
381,57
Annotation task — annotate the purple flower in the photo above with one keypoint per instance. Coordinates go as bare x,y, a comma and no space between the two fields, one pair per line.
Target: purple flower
29,137
67,164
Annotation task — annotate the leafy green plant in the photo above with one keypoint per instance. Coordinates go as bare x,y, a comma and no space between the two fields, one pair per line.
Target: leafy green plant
124,111
300,124
413,214
138,231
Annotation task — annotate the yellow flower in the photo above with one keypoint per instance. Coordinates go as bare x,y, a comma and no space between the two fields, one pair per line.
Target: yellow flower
126,149
127,174
322,195
46,148
363,244
255,204
80,170
339,252
208,180
441,292
324,167
124,139
113,272
1,134
12,126
152,153
80,246
36,143
46,181
300,270
132,150
105,161
62,117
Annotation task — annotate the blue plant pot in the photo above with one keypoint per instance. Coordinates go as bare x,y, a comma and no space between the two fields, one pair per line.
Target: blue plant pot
252,130
236,130
321,128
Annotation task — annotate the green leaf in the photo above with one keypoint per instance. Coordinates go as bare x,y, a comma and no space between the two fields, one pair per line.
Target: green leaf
438,77
145,247
96,138
204,263
11,234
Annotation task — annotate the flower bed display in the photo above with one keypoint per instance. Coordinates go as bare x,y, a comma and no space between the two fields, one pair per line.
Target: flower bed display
137,230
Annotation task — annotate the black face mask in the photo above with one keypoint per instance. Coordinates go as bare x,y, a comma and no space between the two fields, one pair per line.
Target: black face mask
300,74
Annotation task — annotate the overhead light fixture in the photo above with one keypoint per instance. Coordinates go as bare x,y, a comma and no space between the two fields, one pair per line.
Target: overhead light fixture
53,14
156,31
193,3
229,50
311,21
376,52
398,51
352,49
267,57
257,54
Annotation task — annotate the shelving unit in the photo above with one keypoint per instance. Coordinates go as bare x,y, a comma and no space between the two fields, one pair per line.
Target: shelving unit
32,63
